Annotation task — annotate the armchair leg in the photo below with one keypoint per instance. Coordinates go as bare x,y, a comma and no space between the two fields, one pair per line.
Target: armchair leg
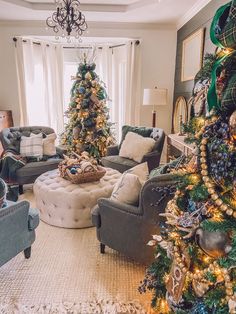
21,189
102,248
27,252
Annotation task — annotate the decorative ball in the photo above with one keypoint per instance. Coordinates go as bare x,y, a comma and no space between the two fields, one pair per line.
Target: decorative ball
199,308
215,244
82,90
73,170
232,123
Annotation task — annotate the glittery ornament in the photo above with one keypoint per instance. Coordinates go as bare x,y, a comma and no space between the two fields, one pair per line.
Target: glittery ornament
199,308
232,123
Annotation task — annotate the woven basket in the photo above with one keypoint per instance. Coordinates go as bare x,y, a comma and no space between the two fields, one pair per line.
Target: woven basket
86,177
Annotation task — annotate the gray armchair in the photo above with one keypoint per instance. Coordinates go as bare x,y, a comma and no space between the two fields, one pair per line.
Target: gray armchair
127,228
113,160
18,223
10,139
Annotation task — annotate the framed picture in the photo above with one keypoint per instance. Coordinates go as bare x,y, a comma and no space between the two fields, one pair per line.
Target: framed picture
192,55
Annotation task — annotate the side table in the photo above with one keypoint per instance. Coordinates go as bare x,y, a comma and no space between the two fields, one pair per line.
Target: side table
176,146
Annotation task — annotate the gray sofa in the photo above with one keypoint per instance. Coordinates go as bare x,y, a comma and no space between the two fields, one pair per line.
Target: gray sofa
113,160
127,228
18,223
10,139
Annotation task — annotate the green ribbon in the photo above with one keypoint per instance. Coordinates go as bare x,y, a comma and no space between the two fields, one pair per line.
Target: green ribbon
212,98
215,20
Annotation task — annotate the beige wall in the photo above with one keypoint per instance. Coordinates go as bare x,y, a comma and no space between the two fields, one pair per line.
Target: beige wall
158,46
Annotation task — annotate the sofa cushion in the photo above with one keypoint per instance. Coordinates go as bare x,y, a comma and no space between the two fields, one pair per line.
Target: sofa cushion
127,189
119,163
37,168
32,146
141,130
136,146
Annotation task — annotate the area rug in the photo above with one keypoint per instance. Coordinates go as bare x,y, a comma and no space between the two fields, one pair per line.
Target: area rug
67,274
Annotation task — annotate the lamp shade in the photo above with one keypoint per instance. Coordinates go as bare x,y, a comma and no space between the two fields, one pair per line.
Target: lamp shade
155,96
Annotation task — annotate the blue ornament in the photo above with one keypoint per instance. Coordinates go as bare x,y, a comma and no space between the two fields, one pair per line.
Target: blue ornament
82,90
73,171
191,206
200,308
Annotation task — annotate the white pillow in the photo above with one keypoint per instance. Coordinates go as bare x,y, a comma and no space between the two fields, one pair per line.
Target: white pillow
127,189
32,146
49,147
141,171
136,146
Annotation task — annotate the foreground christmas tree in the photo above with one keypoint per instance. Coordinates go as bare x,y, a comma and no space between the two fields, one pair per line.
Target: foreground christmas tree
195,266
88,128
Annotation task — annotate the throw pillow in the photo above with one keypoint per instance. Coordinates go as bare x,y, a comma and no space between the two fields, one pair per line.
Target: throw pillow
32,146
141,171
141,130
49,148
136,146
127,189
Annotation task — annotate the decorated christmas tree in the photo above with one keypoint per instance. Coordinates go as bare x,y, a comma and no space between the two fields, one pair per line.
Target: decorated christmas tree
195,266
88,128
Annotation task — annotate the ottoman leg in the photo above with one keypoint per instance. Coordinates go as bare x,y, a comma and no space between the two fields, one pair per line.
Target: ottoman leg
102,248
27,252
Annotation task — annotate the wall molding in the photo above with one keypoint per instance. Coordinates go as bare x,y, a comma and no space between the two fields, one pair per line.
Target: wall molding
192,12
93,25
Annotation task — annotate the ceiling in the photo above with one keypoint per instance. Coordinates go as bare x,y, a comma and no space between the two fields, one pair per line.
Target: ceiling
138,11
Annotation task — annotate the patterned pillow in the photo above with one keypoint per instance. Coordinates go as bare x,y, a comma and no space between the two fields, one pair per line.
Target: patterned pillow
32,146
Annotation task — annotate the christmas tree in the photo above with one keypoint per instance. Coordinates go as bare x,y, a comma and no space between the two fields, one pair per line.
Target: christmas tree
195,266
88,128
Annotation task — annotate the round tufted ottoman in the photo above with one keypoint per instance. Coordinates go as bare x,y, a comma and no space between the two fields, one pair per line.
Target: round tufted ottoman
68,205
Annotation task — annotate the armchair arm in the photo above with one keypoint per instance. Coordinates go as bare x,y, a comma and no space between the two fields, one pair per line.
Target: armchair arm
112,150
152,159
14,219
152,200
33,219
108,203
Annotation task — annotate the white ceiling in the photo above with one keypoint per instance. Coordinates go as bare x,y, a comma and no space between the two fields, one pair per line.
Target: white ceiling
138,11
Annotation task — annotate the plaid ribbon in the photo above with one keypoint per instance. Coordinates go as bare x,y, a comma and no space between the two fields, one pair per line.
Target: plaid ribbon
227,39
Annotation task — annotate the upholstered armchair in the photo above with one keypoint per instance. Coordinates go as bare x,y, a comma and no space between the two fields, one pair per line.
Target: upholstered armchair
10,139
128,228
17,224
113,160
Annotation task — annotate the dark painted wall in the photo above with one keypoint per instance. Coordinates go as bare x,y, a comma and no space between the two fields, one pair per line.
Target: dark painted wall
201,20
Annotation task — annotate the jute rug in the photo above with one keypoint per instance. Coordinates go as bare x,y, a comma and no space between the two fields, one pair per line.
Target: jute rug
67,274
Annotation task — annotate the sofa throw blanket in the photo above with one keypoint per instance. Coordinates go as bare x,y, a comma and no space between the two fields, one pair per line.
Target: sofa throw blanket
9,164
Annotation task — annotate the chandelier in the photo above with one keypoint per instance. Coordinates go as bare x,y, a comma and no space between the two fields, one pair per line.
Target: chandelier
67,20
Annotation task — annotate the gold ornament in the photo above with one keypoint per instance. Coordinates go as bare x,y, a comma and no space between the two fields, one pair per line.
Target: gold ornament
232,123
204,172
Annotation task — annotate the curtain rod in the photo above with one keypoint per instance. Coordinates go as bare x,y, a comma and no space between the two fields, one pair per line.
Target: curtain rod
137,42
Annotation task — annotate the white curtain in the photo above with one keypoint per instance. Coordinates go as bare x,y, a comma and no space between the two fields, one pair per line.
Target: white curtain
119,68
25,70
40,79
133,84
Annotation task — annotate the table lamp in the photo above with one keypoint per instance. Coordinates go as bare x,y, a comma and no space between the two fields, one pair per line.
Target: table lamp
155,97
